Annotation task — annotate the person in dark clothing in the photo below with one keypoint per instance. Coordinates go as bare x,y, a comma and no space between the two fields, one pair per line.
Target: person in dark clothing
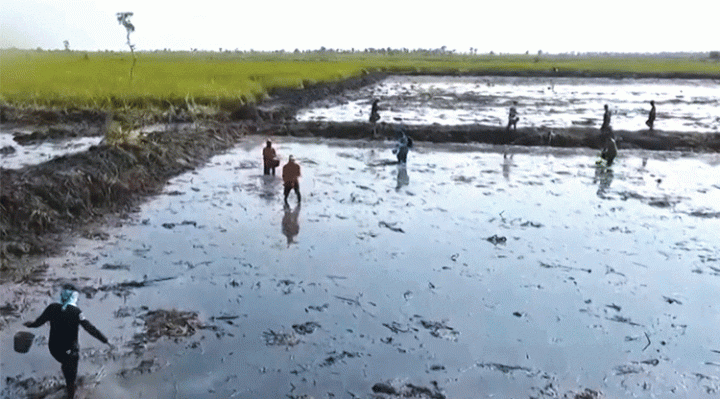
651,117
403,146
606,129
609,152
374,114
513,117
65,319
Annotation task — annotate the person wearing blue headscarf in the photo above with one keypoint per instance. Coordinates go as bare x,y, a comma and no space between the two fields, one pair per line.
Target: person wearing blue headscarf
65,319
403,146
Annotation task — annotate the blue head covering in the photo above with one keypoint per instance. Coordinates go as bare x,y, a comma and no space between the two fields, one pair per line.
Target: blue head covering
68,296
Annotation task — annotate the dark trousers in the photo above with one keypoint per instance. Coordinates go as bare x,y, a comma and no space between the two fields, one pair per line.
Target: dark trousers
269,165
292,186
69,365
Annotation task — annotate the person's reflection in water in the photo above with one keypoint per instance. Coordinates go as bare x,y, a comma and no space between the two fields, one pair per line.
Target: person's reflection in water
290,226
603,178
269,189
402,177
507,163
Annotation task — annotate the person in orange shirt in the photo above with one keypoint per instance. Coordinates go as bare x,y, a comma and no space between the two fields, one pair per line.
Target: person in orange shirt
291,173
270,160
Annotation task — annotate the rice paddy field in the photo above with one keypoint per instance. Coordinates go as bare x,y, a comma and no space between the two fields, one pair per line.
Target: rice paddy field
224,80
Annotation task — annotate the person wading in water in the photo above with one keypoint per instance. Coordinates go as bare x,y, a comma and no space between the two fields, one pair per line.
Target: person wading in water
65,319
291,173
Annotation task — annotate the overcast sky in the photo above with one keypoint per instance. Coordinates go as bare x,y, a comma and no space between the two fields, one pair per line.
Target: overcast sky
512,26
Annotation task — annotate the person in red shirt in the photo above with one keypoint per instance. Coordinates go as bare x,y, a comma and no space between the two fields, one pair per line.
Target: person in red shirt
65,319
291,173
270,160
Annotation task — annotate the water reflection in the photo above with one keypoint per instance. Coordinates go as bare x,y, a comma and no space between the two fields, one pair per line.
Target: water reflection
603,178
290,225
507,163
402,176
270,188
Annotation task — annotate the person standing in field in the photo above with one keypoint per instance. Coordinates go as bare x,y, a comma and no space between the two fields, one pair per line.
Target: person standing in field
374,115
609,152
513,117
65,319
270,160
606,129
651,117
403,146
291,174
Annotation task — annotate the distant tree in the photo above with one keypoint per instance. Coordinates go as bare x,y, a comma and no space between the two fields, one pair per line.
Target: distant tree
715,55
124,20
67,45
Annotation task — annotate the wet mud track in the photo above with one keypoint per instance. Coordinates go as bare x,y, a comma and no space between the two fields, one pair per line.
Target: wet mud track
474,271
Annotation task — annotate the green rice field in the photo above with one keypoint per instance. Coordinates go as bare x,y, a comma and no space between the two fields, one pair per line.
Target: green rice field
102,80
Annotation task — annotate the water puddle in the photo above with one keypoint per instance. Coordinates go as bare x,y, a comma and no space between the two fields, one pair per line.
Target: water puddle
16,156
468,272
682,105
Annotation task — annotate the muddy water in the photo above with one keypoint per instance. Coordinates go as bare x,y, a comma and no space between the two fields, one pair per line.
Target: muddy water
493,276
32,154
547,103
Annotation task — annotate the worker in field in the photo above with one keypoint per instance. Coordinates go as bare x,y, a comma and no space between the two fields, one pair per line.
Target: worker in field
651,116
291,175
513,117
609,151
606,129
65,319
270,159
374,115
403,146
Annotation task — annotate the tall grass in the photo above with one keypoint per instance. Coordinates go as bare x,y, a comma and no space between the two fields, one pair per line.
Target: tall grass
165,79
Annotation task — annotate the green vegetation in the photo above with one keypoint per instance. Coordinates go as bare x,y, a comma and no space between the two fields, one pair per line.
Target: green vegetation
163,80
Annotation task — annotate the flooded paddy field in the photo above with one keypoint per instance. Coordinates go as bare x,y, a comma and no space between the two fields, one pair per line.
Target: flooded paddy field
683,105
471,272
15,156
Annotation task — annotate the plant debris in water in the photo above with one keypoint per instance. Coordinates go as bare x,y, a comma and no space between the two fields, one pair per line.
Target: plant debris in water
170,323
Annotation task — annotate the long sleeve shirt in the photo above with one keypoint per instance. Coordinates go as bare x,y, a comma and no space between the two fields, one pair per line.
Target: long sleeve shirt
291,172
64,326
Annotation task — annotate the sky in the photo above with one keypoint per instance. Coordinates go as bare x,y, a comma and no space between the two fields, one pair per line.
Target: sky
511,26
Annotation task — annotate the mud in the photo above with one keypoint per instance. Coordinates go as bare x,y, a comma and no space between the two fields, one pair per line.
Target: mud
474,271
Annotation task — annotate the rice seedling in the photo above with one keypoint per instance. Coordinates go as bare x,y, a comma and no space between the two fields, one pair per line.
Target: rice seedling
190,80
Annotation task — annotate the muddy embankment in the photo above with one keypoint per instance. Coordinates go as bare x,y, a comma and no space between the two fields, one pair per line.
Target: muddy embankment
571,137
41,204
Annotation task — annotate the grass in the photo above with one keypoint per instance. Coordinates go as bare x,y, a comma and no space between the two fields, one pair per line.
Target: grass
163,80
